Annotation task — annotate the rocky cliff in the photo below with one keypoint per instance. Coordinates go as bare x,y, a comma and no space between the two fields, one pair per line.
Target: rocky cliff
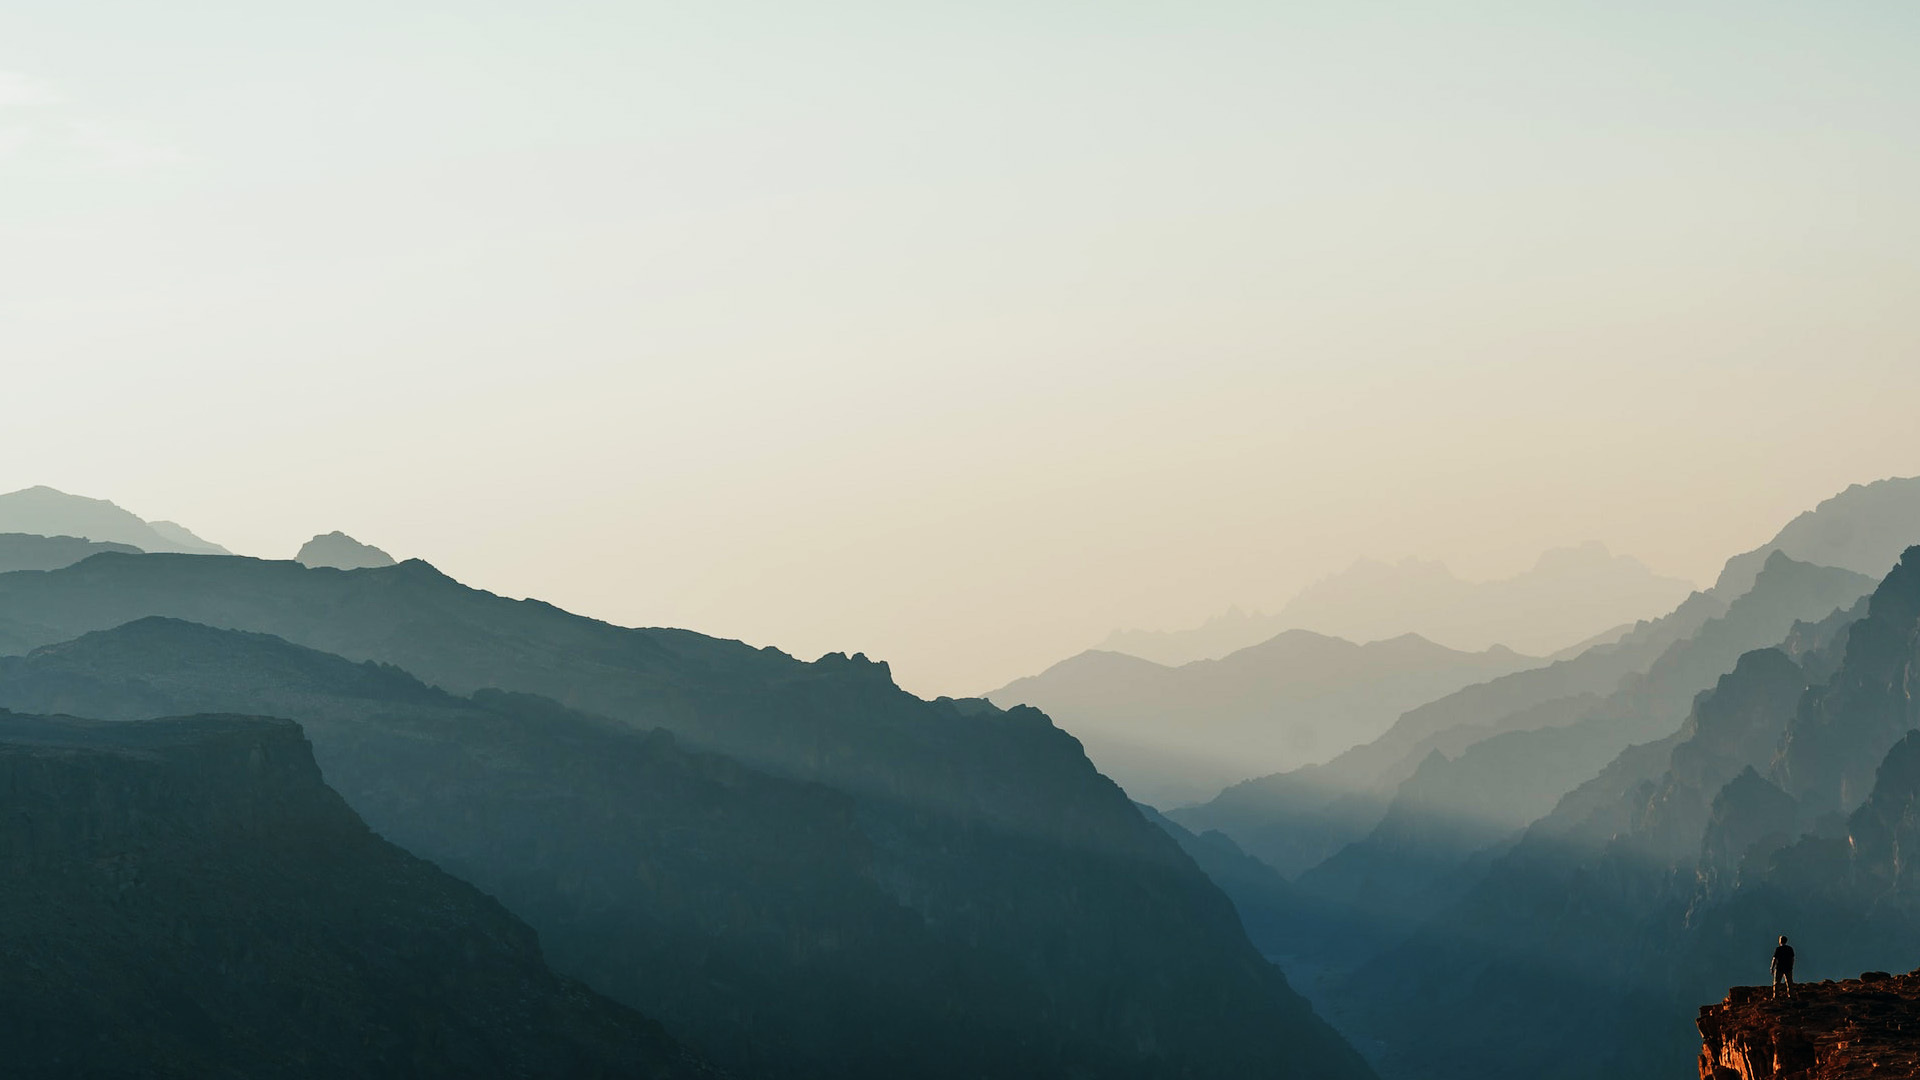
1865,1027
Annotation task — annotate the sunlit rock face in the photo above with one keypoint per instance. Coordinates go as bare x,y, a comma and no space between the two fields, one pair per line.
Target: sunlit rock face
1865,1027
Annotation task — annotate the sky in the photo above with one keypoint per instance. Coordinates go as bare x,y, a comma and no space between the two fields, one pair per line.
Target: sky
959,334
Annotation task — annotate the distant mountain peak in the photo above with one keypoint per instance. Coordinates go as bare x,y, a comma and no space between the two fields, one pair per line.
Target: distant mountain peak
44,511
341,552
1863,529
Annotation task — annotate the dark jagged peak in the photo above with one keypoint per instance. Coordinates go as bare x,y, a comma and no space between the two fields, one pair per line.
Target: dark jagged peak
341,552
1864,529
1739,722
47,512
1750,817
856,666
185,898
1843,729
28,551
1884,828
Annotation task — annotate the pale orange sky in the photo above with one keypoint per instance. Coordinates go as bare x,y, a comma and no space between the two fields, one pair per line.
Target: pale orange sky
959,337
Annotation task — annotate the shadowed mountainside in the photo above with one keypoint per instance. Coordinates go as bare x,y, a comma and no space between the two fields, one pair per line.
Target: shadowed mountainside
1666,878
1078,936
185,898
1174,735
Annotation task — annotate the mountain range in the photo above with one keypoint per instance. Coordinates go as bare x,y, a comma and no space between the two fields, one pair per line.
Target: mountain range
1172,736
44,511
356,818
1568,598
1536,877
831,878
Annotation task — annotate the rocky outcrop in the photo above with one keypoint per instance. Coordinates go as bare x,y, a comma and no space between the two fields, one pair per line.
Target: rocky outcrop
1865,1027
341,552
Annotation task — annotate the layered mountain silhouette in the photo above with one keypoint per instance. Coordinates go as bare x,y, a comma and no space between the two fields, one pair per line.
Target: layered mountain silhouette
26,551
184,898
1864,528
341,552
1171,736
43,511
1569,596
1784,805
1493,756
816,874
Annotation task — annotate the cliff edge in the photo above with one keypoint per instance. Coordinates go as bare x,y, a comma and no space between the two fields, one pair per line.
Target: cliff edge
1865,1027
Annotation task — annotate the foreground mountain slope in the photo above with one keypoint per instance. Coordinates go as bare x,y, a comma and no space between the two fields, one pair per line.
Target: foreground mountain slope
1173,735
186,898
990,829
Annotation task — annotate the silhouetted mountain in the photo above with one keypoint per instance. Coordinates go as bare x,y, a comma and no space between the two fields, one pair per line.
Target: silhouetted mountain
1266,903
26,551
1570,595
186,898
1294,820
1493,778
1004,909
1177,735
1666,878
342,552
46,512
1864,528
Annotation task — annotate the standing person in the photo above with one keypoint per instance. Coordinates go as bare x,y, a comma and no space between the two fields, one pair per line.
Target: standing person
1783,967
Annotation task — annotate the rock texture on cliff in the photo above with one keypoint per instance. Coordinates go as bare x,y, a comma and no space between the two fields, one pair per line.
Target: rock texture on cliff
186,898
1861,1028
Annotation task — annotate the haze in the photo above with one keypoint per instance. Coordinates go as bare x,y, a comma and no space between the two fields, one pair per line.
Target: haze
962,335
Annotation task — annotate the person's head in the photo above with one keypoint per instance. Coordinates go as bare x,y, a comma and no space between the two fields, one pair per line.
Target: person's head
1783,939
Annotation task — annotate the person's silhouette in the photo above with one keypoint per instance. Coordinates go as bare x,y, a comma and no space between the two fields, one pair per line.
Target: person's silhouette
1783,967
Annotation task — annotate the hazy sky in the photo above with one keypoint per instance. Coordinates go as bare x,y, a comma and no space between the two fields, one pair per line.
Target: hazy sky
959,333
